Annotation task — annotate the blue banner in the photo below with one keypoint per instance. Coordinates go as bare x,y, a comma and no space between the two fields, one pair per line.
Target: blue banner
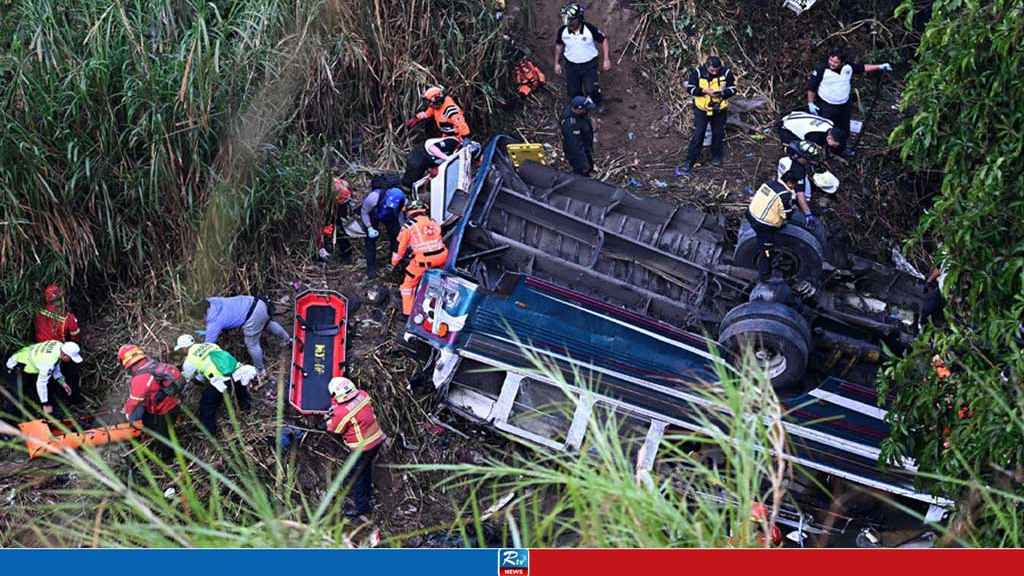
252,562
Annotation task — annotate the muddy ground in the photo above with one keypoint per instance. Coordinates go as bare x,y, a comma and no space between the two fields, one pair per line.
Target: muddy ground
641,138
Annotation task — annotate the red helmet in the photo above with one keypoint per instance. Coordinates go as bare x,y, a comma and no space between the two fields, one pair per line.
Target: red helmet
129,354
52,293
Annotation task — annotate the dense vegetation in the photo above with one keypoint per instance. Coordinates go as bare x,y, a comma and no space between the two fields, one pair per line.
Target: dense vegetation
965,92
122,122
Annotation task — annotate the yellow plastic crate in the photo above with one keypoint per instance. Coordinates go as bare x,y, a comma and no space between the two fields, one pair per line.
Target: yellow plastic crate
522,152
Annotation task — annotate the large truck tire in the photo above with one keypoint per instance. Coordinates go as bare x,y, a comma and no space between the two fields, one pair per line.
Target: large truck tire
776,336
800,254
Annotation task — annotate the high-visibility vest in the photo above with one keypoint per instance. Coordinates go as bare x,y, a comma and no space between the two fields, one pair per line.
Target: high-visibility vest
449,118
201,356
423,236
355,421
768,206
716,83
37,357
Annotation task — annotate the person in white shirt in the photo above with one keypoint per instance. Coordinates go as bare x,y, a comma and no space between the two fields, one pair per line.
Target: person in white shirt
829,87
577,43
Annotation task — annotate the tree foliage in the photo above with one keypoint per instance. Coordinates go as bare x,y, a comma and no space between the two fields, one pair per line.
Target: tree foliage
966,92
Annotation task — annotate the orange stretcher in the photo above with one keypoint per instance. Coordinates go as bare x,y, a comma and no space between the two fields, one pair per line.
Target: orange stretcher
40,439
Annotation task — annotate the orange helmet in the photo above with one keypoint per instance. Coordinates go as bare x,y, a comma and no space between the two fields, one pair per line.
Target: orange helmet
434,95
341,188
129,354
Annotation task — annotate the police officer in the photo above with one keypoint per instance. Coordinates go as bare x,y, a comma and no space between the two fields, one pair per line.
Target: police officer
829,87
800,125
769,211
577,42
578,135
711,86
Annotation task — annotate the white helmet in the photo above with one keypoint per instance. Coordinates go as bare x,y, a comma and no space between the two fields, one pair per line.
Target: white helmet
185,341
72,350
342,388
826,182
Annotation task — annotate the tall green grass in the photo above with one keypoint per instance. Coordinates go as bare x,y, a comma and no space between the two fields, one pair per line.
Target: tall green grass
123,121
597,498
229,492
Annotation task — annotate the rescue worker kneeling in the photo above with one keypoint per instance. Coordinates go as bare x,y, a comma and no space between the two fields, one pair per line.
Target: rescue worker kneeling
351,415
423,236
223,374
769,212
153,393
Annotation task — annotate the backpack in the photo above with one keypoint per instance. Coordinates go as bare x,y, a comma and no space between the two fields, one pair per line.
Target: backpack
224,362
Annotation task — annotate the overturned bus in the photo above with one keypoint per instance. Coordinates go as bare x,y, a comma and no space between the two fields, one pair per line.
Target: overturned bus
630,291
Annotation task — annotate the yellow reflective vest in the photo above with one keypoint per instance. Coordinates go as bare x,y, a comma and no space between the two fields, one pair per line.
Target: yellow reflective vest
198,360
699,78
772,203
37,357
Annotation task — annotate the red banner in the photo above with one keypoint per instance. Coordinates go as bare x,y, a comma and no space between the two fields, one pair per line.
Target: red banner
825,562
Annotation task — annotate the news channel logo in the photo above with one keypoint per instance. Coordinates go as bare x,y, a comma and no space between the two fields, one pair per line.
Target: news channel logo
513,562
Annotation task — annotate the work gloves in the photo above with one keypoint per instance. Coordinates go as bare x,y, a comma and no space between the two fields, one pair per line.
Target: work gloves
886,67
220,384
813,108
412,122
372,232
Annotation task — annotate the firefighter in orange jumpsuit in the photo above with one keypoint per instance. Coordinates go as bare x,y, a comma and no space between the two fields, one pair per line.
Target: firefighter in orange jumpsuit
423,236
447,115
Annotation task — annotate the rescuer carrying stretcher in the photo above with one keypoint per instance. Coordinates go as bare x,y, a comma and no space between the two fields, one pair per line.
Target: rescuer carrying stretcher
423,236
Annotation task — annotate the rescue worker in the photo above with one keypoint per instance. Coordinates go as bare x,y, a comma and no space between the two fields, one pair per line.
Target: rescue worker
799,125
769,211
829,87
447,115
252,314
577,43
381,208
222,373
802,158
433,152
711,86
423,236
578,135
44,361
55,322
351,415
153,390
333,235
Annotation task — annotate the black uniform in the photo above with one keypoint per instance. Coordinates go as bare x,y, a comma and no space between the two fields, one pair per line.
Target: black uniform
578,142
581,78
419,161
813,129
832,92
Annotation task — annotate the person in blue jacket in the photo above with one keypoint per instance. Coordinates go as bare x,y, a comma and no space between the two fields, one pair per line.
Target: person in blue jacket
381,207
250,313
